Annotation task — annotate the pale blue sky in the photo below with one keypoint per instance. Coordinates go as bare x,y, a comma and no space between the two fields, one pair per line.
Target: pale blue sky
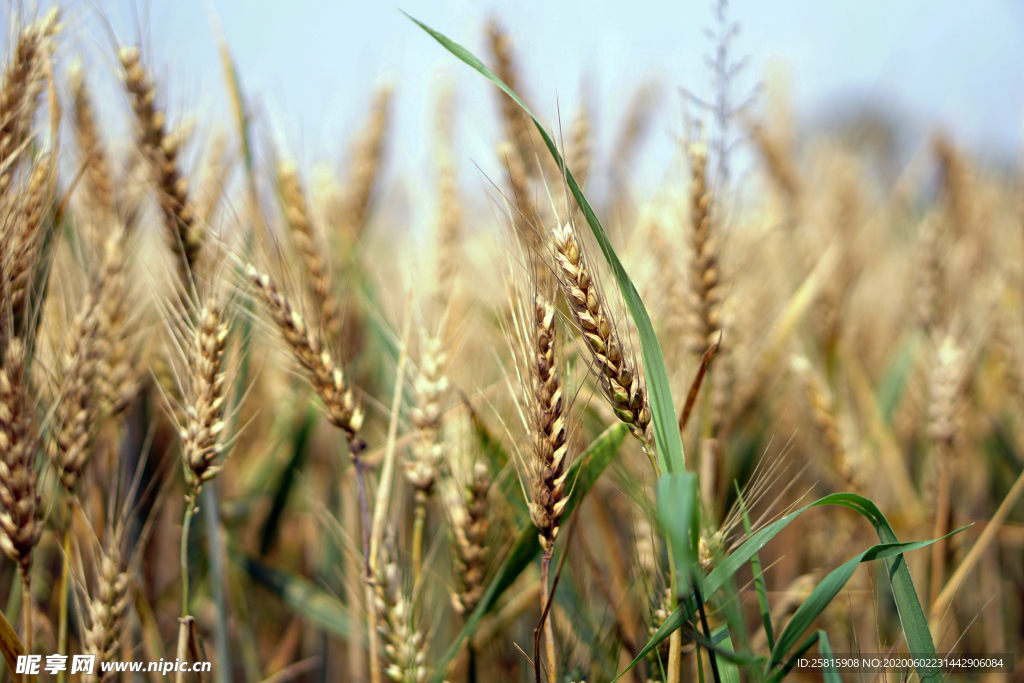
311,65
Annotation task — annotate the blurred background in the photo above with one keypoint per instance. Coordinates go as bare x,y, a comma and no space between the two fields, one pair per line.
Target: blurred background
873,68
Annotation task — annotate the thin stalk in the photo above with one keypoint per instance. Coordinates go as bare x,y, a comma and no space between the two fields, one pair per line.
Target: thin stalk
26,605
549,632
62,628
707,632
417,537
190,509
387,475
675,641
940,604
941,518
222,644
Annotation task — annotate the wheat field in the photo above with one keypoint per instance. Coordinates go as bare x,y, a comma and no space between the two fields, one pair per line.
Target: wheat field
569,435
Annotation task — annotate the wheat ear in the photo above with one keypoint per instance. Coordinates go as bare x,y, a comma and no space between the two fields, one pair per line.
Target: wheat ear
404,644
705,298
20,526
97,181
615,372
185,231
76,415
470,519
20,91
300,224
423,468
108,607
322,369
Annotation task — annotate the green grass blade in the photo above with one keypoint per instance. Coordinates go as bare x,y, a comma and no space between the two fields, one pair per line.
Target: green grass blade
829,673
666,430
678,511
759,585
828,588
584,472
300,442
915,626
309,601
791,662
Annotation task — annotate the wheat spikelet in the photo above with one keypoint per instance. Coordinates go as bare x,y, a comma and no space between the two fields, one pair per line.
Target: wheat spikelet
20,527
615,372
116,373
366,160
97,180
322,369
108,608
27,236
297,216
215,176
404,644
781,168
20,90
827,420
705,297
160,150
430,386
515,121
202,434
470,519
76,417
450,226
578,153
525,218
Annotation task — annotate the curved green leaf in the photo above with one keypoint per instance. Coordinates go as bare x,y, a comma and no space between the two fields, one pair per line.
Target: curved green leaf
663,413
915,625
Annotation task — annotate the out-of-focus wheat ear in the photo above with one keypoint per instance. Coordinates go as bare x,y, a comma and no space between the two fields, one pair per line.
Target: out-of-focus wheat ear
470,518
322,369
944,425
300,224
20,526
97,183
705,287
117,372
203,434
930,292
826,419
957,185
613,368
28,236
513,119
217,169
186,232
781,169
405,650
525,218
431,387
107,607
365,163
77,413
450,226
580,149
22,85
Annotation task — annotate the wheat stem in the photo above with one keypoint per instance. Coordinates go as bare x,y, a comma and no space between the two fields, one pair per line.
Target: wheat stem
190,509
